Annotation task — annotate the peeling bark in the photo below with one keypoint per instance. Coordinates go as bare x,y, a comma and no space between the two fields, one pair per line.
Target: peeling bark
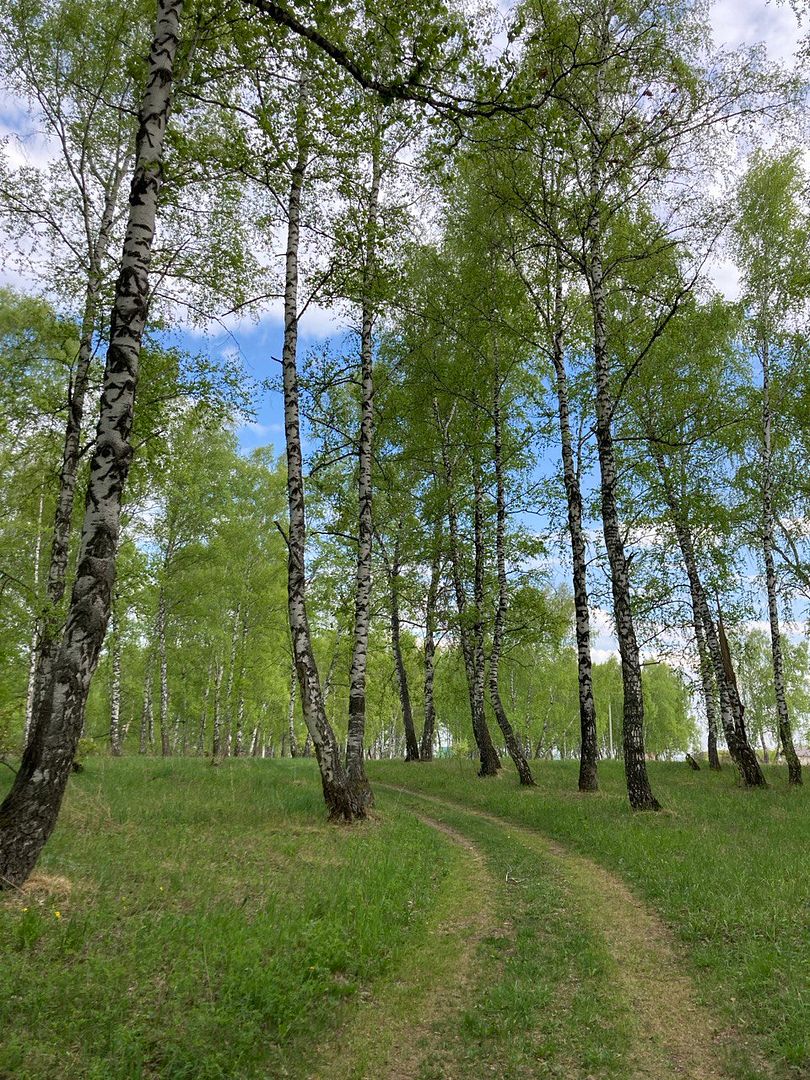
639,790
426,744
56,580
502,606
588,753
782,714
488,756
341,800
30,810
115,683
362,606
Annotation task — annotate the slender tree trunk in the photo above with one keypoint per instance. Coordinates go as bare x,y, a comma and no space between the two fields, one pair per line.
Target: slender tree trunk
50,624
115,682
355,768
752,773
216,740
200,750
329,682
165,735
33,656
147,721
239,741
291,713
411,744
30,810
783,717
488,755
731,708
227,732
588,753
339,796
639,790
502,606
426,746
707,682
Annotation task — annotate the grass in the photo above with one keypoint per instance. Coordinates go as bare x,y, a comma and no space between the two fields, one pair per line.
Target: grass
728,869
543,1003
212,925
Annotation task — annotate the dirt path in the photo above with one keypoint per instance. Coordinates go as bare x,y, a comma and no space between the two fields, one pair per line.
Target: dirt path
675,1036
392,1031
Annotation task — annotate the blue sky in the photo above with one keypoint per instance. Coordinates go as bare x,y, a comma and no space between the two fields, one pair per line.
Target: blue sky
736,22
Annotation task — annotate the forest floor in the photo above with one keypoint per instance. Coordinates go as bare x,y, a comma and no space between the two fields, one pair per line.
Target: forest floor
190,922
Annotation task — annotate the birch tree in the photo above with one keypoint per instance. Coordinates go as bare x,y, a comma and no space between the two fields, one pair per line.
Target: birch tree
29,812
771,239
82,95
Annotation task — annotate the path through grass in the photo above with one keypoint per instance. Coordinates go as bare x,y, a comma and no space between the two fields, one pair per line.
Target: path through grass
728,870
190,922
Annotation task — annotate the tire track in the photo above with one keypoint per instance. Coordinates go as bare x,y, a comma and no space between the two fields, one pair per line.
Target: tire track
675,1035
391,1032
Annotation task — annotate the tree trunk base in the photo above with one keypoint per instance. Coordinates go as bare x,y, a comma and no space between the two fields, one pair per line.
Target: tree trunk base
588,780
750,772
646,802
489,767
349,802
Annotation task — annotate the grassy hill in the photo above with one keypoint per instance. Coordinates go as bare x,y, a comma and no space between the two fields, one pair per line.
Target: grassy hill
192,922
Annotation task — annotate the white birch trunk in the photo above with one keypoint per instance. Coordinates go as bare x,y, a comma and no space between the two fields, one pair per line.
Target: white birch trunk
635,767
33,656
115,683
291,711
29,812
165,736
488,755
587,707
362,605
502,606
340,801
783,717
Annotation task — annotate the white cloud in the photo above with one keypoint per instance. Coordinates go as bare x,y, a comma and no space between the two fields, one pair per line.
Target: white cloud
751,22
726,278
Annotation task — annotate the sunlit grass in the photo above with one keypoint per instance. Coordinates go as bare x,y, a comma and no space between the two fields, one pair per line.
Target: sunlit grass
729,870
202,923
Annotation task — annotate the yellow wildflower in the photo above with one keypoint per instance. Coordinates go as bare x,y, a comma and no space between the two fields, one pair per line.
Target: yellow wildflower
57,914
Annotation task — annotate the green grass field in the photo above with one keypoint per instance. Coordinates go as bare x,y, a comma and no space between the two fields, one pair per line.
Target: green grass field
728,869
190,922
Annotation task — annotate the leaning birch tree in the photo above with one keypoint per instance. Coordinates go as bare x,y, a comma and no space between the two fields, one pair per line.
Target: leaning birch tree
30,810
